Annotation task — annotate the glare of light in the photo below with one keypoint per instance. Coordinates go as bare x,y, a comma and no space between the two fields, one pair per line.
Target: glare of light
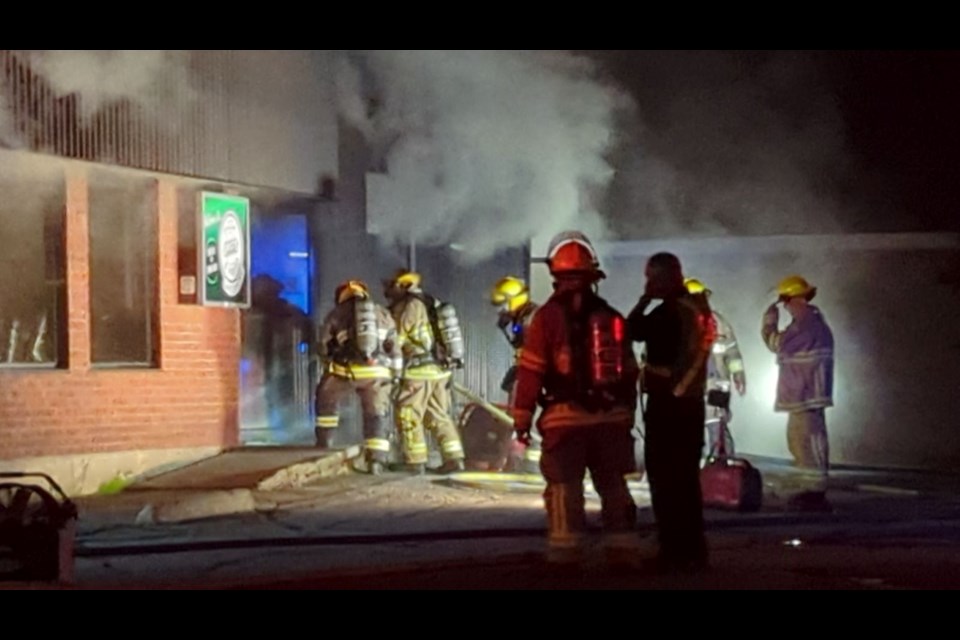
771,381
793,544
301,255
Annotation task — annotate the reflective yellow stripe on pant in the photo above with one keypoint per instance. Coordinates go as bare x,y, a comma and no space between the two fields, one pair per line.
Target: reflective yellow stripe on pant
375,401
425,404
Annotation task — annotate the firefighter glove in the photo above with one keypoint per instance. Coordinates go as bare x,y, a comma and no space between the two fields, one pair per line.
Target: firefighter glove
524,436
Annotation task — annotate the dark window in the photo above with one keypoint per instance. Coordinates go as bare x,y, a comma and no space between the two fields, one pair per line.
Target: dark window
123,261
32,258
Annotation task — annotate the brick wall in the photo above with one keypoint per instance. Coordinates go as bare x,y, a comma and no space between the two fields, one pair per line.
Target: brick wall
191,401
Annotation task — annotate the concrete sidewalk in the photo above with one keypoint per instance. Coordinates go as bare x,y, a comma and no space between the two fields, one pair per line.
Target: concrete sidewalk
265,516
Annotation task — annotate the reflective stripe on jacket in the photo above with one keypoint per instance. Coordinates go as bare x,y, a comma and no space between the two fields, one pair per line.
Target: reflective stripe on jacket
726,360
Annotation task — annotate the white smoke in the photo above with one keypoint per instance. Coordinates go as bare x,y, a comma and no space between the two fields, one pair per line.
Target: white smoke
485,149
147,78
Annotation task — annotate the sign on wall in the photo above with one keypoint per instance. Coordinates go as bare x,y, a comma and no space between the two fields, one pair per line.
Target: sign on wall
225,250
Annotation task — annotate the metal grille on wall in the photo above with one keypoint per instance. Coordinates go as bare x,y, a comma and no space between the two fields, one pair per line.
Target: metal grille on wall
205,116
168,139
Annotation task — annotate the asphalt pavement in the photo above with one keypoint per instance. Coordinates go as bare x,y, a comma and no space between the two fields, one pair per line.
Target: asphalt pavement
889,530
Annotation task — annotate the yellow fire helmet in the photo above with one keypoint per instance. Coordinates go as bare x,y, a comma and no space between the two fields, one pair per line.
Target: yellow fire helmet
796,287
352,289
696,287
510,293
408,280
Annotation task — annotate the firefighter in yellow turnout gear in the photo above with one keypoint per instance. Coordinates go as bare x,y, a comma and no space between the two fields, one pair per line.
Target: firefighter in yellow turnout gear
512,296
361,354
726,373
424,398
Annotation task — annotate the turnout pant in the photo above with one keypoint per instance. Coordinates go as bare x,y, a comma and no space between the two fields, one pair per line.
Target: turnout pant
606,451
810,448
375,402
425,404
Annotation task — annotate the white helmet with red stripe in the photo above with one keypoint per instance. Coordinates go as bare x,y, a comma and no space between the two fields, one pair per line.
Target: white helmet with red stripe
572,252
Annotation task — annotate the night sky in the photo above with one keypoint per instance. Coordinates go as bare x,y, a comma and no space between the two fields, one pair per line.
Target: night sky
901,110
899,115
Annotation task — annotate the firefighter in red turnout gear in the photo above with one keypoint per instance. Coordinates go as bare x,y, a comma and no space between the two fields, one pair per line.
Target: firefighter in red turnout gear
579,366
679,336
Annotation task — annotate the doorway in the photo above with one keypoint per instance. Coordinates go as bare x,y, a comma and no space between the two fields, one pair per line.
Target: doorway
277,376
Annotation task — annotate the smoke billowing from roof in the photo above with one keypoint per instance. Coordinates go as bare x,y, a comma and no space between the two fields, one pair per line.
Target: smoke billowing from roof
157,83
484,148
143,77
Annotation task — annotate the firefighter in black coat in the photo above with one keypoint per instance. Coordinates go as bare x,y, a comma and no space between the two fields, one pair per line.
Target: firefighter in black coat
679,335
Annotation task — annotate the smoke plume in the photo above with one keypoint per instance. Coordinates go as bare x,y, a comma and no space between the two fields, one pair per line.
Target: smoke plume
484,149
146,78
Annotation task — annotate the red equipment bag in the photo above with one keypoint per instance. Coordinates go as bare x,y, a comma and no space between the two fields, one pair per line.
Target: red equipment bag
731,484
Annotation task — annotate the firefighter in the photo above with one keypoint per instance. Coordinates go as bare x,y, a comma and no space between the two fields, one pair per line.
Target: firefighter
679,337
512,296
361,354
805,353
725,373
578,365
423,398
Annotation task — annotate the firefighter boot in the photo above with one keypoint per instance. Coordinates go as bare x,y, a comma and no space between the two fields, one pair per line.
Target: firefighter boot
566,524
452,466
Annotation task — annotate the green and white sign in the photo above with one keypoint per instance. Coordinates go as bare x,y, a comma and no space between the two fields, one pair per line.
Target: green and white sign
225,250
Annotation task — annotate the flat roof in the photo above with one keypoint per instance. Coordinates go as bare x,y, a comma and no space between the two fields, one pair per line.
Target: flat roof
785,244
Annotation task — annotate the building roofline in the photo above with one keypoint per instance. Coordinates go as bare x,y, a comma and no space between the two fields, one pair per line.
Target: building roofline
784,244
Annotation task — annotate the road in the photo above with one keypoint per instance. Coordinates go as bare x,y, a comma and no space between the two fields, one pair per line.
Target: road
890,530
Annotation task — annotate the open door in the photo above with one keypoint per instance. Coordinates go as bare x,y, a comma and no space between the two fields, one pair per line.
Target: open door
276,377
